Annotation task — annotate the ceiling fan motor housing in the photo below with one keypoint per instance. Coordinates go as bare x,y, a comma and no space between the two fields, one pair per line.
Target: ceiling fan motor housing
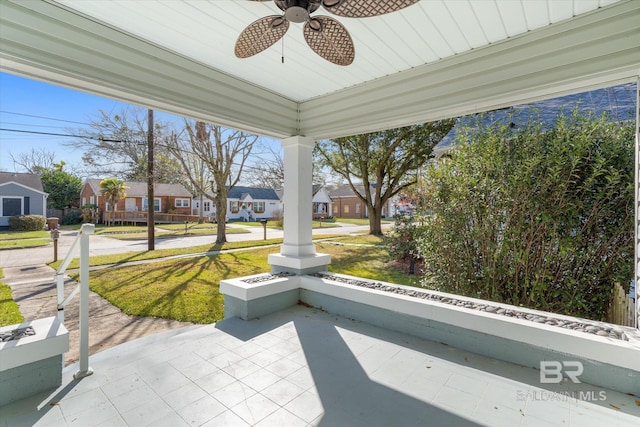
298,10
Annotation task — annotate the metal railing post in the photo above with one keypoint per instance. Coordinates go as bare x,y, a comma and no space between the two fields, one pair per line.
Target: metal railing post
85,370
60,295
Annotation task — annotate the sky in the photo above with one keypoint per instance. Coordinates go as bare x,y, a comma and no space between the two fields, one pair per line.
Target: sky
33,106
29,106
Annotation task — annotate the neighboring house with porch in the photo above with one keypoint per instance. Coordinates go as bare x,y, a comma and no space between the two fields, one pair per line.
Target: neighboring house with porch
167,198
322,202
258,203
21,194
347,205
250,203
322,205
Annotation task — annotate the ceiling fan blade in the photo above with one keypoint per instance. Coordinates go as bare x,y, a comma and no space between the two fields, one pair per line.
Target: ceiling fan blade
365,8
329,39
260,35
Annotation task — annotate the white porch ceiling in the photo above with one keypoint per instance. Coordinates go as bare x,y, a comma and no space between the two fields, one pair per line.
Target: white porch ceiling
435,59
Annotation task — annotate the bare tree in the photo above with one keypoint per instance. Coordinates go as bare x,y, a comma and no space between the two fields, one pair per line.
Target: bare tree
269,172
116,145
34,161
224,153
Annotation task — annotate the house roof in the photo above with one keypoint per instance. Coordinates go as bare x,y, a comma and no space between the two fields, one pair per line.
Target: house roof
432,60
94,183
617,101
139,189
345,190
239,192
30,180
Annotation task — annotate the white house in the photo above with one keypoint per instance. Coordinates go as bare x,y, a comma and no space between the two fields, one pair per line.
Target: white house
21,194
244,203
322,202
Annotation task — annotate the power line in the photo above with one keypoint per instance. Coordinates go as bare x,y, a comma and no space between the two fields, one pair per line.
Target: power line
32,125
42,117
32,132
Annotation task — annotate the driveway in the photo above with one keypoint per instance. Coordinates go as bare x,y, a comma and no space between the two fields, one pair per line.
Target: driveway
33,285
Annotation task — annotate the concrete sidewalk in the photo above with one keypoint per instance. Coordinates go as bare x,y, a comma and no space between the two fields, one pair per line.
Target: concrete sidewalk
33,286
34,289
100,245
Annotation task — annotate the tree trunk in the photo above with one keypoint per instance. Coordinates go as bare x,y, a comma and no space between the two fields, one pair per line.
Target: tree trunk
412,265
221,215
375,221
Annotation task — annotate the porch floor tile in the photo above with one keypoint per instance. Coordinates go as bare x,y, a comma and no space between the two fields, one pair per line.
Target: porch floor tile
304,367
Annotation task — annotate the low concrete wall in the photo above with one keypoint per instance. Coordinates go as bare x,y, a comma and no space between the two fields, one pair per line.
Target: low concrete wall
33,363
258,295
608,362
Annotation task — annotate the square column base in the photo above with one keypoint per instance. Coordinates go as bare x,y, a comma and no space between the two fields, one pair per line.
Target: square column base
299,265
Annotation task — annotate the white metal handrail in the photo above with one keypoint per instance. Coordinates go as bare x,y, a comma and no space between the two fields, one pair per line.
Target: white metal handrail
83,287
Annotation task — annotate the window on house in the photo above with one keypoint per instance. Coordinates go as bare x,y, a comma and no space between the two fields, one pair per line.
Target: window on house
11,206
206,206
233,206
346,209
182,203
84,201
258,207
336,210
92,200
156,204
357,208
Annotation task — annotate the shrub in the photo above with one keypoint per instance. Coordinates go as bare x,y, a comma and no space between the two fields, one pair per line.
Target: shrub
73,217
278,218
536,217
401,241
90,213
27,223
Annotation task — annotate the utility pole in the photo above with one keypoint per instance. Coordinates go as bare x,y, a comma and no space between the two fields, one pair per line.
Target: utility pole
150,205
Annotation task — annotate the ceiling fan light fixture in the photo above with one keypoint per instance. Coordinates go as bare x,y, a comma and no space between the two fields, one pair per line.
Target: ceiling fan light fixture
296,14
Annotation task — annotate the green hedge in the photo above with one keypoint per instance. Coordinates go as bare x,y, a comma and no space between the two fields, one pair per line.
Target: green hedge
534,216
27,223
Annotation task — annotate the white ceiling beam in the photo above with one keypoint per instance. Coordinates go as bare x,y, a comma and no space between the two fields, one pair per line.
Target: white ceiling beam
49,42
593,50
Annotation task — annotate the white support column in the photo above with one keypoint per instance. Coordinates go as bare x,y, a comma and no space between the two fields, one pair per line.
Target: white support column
298,253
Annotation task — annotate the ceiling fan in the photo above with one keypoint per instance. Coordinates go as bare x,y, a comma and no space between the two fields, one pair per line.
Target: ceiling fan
325,35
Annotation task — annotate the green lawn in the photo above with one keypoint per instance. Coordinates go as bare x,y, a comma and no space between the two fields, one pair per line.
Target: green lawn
185,290
188,289
163,231
9,311
164,253
361,221
271,224
23,239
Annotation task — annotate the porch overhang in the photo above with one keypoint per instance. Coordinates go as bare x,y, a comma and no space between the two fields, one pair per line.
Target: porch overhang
60,44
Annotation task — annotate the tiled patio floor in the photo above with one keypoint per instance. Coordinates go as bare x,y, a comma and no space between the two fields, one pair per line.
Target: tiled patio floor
304,367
